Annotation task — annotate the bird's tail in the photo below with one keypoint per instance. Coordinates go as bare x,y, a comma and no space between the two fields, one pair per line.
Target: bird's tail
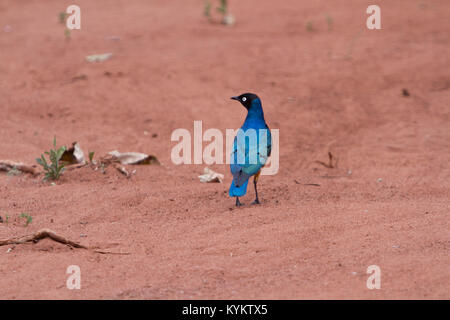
238,191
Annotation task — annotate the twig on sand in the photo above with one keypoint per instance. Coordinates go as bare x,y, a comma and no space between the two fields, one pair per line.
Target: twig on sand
122,170
6,165
330,164
108,252
47,233
39,235
308,184
76,166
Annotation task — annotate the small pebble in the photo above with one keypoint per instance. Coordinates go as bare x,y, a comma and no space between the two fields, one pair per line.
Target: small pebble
379,180
228,20
83,235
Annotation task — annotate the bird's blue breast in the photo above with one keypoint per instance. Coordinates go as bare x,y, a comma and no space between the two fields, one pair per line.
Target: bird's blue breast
251,147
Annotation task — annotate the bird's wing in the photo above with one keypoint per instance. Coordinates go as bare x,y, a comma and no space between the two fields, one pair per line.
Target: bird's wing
248,156
264,146
237,169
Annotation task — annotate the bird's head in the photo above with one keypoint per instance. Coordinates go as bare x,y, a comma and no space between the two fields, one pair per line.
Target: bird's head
246,99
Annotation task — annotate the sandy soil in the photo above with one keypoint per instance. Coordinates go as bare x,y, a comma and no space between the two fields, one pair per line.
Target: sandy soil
326,82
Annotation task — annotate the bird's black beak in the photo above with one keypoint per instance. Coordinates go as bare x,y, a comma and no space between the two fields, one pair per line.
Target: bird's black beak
235,98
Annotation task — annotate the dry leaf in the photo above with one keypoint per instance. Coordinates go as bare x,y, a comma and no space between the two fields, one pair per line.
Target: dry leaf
73,155
211,176
98,57
134,158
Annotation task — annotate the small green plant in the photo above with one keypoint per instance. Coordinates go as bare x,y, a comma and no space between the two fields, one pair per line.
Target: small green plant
222,8
91,156
329,21
28,217
53,170
7,218
207,9
67,33
62,17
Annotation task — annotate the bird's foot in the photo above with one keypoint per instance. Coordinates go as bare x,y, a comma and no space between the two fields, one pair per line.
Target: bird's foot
256,202
238,203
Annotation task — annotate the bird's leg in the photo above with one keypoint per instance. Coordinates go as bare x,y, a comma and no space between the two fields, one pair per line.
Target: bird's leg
255,181
238,203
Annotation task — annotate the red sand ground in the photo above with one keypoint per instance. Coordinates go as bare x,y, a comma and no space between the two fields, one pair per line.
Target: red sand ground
335,88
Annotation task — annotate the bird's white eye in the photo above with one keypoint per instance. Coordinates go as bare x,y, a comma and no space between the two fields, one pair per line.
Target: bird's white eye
244,99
